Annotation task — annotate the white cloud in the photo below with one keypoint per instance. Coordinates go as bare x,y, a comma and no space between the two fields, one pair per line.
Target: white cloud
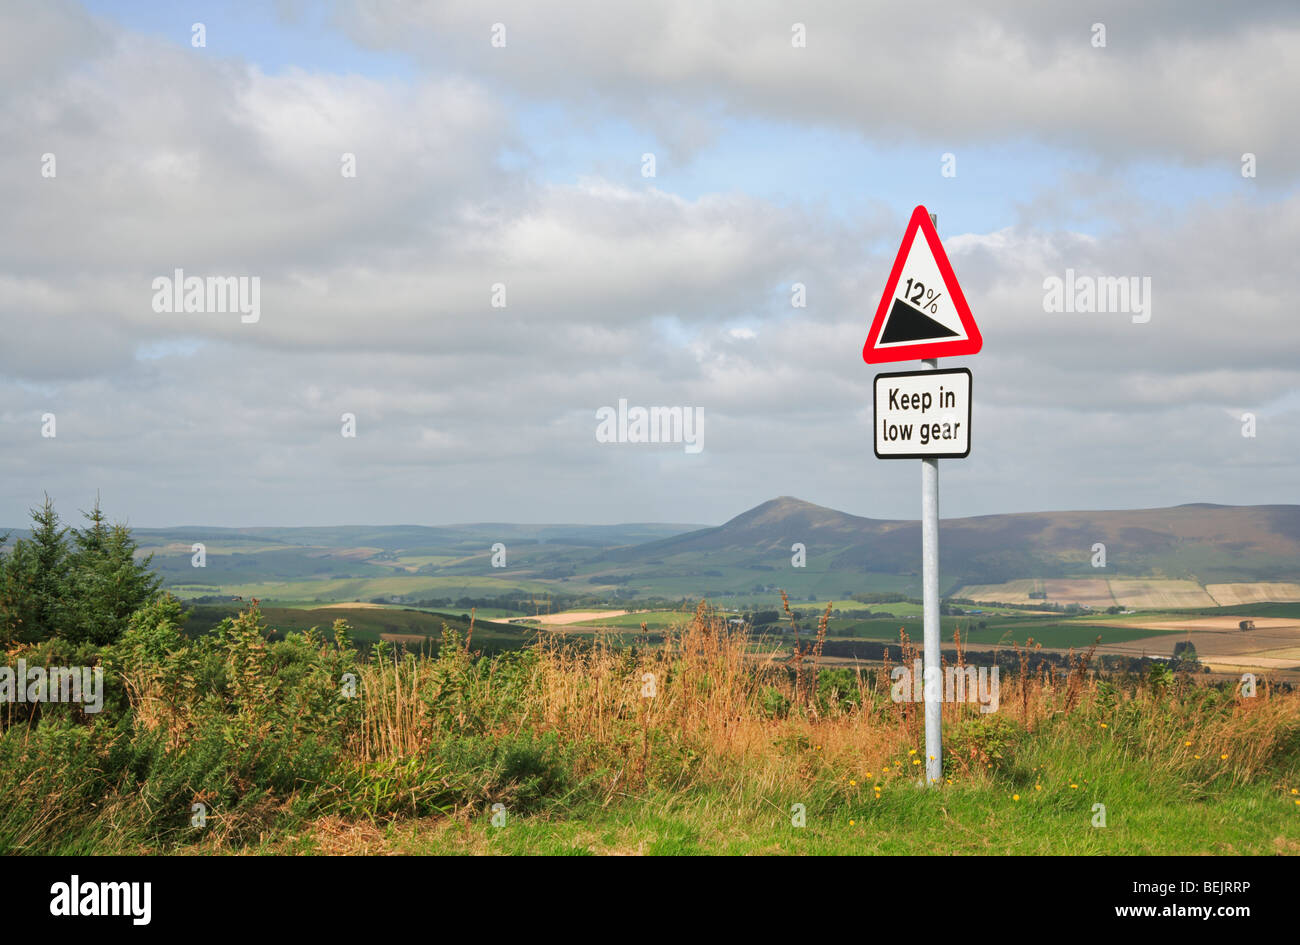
376,290
1181,81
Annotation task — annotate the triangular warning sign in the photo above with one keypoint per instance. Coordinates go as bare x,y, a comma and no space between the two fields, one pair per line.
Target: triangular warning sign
922,313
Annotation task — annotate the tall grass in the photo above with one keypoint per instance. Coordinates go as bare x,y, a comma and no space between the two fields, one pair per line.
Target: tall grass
712,702
267,735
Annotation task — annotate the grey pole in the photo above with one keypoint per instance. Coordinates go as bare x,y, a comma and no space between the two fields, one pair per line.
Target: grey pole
933,682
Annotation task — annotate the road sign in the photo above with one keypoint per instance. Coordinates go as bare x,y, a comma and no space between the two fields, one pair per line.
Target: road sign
923,414
922,313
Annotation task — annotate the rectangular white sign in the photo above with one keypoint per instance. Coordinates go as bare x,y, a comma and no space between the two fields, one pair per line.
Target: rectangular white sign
923,414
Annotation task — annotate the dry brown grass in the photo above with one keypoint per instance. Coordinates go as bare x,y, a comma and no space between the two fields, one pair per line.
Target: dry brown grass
706,706
707,699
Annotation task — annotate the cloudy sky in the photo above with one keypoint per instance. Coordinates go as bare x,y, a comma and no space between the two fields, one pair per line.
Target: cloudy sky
505,144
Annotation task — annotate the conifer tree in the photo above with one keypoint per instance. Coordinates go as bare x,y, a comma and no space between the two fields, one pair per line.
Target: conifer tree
45,574
107,584
84,590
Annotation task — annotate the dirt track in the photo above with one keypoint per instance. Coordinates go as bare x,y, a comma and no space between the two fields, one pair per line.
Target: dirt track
1212,624
577,616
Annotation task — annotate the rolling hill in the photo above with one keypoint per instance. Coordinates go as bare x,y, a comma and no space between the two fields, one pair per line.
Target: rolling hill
1185,556
1200,543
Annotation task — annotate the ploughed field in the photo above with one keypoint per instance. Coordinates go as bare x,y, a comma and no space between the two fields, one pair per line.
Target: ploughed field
1131,593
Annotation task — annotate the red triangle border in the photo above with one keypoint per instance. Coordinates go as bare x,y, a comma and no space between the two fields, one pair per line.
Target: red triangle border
973,341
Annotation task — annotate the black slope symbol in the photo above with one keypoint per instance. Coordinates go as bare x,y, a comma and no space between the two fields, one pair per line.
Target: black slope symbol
907,323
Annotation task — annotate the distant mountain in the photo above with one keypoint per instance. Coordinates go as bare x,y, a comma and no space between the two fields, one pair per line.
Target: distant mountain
747,558
1200,541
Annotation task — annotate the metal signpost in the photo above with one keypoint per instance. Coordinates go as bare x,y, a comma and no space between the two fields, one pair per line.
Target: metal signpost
924,414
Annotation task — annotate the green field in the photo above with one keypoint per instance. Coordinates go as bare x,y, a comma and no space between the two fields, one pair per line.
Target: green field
730,579
483,613
653,619
369,623
1247,610
1053,633
419,561
331,590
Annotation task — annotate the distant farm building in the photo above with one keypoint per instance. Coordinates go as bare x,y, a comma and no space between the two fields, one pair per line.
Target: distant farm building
1247,625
